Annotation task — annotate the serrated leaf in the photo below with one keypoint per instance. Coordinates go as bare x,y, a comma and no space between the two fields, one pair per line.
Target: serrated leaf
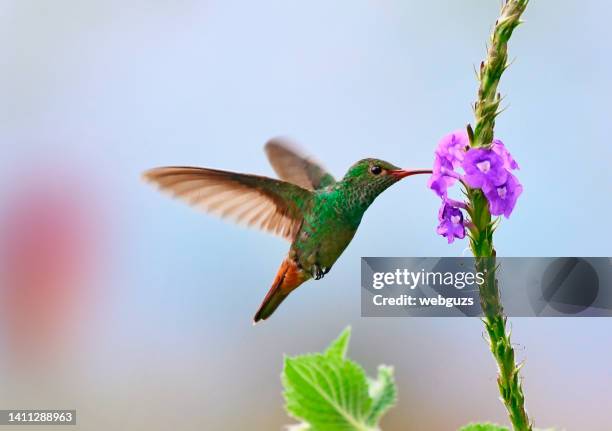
383,394
339,346
328,392
484,427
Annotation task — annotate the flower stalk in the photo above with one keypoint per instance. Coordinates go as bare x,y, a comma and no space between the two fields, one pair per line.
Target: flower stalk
482,226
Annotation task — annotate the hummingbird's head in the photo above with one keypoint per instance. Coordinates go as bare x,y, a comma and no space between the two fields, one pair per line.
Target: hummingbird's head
370,177
376,174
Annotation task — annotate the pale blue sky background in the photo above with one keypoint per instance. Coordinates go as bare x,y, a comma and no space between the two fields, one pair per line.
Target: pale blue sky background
103,90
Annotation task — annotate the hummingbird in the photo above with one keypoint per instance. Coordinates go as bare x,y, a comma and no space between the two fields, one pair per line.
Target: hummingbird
306,206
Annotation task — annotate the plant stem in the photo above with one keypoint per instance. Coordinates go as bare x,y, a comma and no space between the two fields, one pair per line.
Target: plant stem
486,110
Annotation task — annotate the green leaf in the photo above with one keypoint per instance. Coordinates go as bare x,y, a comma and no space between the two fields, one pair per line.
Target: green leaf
484,427
328,392
383,394
339,346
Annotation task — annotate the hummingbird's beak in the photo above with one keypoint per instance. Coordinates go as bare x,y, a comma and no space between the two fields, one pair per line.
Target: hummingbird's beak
402,173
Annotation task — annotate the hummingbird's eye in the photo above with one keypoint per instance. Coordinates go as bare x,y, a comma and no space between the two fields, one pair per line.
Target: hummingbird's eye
376,169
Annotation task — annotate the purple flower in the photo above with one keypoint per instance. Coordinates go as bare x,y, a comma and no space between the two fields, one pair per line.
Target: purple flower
449,155
487,169
452,147
502,198
500,149
451,222
440,179
484,168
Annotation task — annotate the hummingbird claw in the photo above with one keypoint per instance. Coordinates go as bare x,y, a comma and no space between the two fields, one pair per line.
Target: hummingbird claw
318,272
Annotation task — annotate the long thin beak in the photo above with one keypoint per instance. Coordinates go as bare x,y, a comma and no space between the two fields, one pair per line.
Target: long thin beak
402,173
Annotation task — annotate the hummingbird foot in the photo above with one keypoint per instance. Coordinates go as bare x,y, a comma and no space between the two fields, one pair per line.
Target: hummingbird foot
319,271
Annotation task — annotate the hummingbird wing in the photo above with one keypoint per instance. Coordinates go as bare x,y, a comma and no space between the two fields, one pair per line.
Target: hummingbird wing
296,168
271,205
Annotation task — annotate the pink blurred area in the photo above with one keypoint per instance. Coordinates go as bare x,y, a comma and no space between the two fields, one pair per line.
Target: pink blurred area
52,230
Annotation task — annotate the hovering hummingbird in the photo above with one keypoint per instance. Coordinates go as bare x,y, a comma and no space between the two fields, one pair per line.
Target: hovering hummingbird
308,207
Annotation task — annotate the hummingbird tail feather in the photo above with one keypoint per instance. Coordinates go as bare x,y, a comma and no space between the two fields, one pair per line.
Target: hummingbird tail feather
289,277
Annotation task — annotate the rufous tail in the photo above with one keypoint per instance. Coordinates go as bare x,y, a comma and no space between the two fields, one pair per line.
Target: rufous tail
289,277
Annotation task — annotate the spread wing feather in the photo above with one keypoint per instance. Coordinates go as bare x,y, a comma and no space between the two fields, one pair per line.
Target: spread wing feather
296,168
271,205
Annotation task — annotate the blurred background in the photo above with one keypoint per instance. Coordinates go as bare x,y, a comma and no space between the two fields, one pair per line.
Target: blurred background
136,309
